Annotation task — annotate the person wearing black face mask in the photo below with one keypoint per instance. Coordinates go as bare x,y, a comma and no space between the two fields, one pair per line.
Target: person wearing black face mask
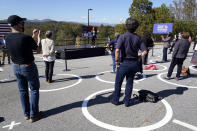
20,47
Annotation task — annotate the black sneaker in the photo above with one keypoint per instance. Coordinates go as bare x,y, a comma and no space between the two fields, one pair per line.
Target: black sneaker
115,103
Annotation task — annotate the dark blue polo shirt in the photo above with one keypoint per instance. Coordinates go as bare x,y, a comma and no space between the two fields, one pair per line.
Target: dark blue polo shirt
113,42
129,45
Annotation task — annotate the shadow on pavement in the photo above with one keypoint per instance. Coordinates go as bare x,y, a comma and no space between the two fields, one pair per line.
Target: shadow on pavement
8,81
2,119
64,79
169,92
99,99
88,76
150,75
190,76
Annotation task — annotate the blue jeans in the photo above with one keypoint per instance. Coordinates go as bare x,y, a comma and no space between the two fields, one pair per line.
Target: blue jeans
113,61
128,68
165,50
28,75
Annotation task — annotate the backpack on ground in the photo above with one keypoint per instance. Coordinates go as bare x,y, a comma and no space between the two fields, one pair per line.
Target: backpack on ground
147,96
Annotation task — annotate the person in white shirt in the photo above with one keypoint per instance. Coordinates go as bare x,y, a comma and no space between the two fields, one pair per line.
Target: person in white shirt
48,54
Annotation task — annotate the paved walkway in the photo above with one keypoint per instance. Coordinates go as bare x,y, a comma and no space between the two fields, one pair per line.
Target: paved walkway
78,100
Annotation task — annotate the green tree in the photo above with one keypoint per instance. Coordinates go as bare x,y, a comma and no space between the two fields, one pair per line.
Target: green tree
142,7
163,15
120,28
142,11
184,9
105,31
189,7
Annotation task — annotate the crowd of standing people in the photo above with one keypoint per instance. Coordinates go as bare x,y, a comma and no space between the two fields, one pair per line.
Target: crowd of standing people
124,51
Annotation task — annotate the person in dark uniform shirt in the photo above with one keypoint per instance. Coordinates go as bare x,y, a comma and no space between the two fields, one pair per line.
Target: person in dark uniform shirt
128,44
148,41
111,45
21,48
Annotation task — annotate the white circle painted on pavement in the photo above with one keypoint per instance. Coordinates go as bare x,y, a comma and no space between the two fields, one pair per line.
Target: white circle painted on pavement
62,88
192,68
167,81
55,60
159,124
112,82
164,68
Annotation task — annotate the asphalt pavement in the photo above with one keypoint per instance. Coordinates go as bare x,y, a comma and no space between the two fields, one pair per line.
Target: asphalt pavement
78,99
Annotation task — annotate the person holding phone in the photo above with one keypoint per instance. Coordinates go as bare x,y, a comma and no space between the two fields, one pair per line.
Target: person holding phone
20,47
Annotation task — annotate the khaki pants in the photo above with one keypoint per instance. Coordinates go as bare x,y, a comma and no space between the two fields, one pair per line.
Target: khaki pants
5,52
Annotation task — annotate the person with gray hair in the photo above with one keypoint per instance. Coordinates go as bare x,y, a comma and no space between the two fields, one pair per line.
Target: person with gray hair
48,54
111,46
127,48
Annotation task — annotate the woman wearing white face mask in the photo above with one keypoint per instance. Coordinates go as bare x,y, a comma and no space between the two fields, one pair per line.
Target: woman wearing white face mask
48,54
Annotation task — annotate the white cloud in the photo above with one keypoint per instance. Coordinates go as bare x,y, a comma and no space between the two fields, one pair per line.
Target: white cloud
83,17
104,19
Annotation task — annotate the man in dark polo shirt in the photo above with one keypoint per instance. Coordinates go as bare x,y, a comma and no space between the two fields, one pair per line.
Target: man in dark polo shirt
129,45
21,48
111,45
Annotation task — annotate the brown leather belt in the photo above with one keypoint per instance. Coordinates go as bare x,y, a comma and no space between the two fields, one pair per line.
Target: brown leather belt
23,64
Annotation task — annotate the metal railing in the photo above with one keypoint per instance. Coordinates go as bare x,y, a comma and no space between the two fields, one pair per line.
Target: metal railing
81,41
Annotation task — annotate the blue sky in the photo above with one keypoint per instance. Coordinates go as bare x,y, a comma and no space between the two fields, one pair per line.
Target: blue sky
104,11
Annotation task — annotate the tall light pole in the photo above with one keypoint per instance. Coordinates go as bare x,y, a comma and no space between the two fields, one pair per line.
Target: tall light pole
88,22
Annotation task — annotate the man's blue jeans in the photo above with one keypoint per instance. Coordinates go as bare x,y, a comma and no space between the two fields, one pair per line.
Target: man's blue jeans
128,68
28,75
113,61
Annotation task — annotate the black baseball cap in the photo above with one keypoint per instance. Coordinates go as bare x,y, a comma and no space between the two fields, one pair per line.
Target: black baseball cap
14,20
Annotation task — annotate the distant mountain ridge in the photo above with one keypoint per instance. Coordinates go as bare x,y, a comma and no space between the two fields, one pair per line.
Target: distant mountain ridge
50,20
